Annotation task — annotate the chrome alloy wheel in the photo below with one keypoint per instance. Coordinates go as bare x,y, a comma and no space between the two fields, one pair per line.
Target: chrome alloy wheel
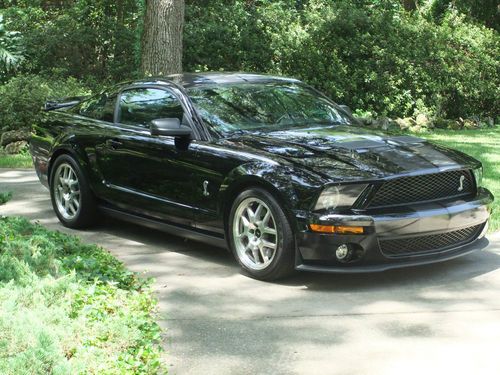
66,191
254,234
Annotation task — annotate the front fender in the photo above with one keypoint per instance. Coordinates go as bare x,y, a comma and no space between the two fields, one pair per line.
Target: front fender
274,177
294,188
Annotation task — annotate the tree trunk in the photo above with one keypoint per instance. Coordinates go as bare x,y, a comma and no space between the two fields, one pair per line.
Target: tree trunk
162,37
409,5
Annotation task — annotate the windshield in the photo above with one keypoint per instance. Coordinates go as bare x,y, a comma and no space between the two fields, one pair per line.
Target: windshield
267,106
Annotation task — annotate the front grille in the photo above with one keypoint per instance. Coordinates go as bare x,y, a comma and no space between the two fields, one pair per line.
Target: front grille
425,244
424,188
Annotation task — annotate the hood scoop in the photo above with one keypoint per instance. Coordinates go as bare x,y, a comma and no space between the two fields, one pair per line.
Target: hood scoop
404,140
362,145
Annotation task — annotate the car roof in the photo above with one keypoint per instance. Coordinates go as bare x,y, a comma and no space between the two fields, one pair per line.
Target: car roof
188,80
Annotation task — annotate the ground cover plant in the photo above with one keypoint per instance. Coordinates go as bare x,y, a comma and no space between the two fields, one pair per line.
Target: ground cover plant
68,307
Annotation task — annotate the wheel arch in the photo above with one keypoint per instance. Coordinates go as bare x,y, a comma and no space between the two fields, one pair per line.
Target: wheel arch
71,151
279,187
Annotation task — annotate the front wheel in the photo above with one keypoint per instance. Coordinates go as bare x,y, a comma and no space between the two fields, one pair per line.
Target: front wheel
260,235
72,199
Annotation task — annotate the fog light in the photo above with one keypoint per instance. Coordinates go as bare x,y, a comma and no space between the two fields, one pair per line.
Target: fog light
343,253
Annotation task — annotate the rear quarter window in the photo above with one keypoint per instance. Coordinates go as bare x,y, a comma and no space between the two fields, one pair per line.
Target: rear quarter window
101,107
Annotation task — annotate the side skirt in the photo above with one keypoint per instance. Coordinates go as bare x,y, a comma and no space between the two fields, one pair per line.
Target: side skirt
191,234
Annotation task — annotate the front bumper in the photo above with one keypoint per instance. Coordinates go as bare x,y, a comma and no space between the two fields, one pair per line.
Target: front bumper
316,251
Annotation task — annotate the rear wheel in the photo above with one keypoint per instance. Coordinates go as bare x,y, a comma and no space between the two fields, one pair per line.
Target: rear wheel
261,236
72,199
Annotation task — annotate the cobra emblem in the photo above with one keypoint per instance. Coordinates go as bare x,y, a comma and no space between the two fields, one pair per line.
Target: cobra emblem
461,185
205,189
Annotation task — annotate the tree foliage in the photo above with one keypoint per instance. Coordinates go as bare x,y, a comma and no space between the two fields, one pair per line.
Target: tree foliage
439,58
371,55
95,39
11,51
22,98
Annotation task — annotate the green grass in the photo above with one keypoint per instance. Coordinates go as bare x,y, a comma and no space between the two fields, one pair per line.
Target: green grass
67,307
484,145
22,160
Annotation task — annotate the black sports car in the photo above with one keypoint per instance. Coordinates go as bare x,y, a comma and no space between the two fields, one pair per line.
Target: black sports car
266,166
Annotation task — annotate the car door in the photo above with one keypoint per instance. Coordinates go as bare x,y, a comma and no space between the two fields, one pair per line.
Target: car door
93,123
150,175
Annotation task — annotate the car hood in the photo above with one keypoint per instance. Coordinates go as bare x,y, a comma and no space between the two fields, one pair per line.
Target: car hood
352,153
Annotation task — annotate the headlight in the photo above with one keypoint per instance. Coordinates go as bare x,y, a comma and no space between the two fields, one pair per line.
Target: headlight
341,196
478,176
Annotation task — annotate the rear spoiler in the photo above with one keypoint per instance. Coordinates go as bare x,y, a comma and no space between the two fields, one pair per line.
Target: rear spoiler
63,103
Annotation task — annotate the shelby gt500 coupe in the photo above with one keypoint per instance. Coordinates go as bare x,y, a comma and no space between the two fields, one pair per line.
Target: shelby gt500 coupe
265,166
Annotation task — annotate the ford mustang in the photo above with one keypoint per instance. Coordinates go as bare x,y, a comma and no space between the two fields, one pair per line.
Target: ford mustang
265,166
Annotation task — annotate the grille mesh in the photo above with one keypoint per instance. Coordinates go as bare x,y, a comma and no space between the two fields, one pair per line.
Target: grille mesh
423,188
423,244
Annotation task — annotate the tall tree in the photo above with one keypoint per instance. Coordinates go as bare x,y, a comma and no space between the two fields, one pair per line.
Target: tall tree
162,37
409,5
11,52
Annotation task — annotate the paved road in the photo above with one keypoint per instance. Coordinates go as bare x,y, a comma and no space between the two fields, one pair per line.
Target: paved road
436,319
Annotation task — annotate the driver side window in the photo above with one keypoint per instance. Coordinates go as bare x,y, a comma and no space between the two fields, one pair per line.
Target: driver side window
141,106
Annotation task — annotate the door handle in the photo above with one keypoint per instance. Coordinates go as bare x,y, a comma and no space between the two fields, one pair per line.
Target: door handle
113,143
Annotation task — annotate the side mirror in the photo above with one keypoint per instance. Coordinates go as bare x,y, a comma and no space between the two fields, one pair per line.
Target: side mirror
169,127
346,109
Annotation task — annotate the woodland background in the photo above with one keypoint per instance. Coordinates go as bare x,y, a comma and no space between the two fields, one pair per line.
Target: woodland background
434,58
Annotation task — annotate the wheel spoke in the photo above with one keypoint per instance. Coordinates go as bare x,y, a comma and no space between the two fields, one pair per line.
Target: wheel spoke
265,221
258,212
245,223
255,253
263,254
269,245
270,231
251,215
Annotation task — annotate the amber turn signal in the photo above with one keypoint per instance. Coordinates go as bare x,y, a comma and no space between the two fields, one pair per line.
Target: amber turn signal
349,230
322,228
336,229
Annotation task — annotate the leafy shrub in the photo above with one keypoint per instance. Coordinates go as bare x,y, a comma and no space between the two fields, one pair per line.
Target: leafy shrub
5,197
85,38
11,52
22,98
481,11
370,55
71,308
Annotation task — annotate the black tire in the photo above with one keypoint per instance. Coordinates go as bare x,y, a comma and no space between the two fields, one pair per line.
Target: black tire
282,264
86,214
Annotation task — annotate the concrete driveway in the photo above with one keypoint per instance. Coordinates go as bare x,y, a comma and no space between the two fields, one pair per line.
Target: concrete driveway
437,319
